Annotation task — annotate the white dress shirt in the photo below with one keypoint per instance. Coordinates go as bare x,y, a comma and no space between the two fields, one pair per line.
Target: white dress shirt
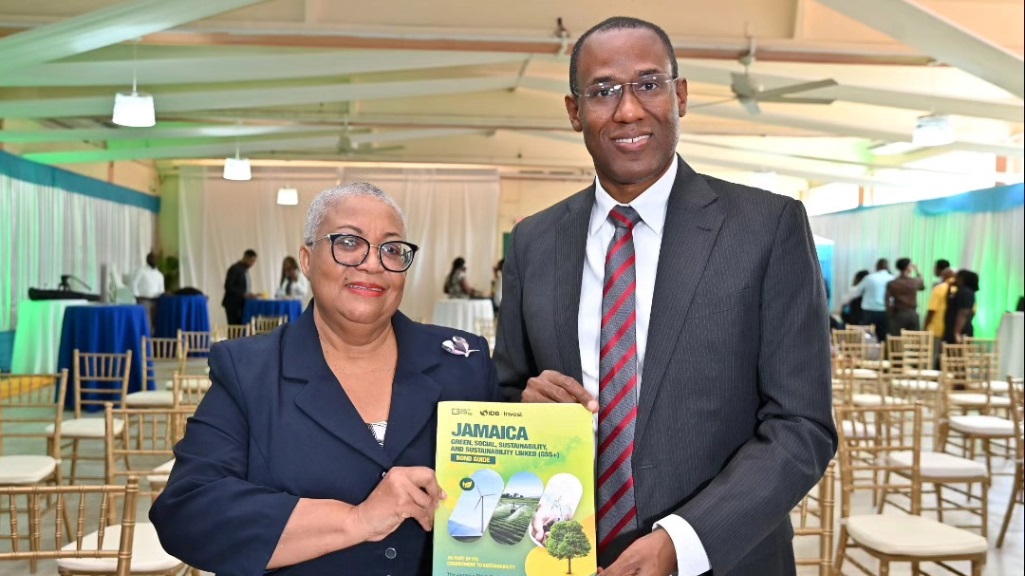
147,283
300,288
691,557
872,290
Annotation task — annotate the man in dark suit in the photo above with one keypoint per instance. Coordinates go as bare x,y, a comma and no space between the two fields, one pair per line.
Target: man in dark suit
237,287
688,313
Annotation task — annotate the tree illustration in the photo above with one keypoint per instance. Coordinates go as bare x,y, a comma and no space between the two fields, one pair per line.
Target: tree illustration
567,541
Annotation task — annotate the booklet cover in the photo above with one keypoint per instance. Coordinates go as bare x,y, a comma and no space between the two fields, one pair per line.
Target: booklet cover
520,485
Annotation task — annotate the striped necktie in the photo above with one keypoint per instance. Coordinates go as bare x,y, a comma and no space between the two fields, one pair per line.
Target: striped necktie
617,391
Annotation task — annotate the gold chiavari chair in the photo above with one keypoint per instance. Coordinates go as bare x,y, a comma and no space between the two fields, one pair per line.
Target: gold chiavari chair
159,355
232,331
265,324
813,518
866,464
189,389
31,408
98,379
909,366
145,443
485,327
1017,496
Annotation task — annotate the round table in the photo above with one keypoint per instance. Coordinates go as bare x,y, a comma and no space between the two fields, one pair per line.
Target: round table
189,313
462,313
290,308
37,338
1011,345
104,328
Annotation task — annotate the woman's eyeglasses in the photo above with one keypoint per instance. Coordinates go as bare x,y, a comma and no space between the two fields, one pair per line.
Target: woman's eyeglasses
352,250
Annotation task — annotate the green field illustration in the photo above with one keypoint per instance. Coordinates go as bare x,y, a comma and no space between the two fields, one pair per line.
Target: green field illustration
516,508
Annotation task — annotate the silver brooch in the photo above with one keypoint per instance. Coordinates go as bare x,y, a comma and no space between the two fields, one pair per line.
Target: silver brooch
458,346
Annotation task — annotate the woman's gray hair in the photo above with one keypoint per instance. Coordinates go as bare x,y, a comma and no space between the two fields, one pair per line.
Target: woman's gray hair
326,199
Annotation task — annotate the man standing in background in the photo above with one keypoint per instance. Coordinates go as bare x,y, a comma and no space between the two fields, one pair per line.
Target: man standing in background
873,298
902,296
237,287
147,285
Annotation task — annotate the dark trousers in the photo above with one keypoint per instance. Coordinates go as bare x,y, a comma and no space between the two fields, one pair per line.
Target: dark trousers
234,313
151,312
878,319
903,319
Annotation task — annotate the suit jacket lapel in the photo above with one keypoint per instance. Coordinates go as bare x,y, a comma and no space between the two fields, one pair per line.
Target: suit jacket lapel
693,219
569,264
322,399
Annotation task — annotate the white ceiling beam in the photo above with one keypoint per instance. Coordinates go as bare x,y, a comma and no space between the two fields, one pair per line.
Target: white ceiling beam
104,27
406,135
216,69
113,134
946,41
254,97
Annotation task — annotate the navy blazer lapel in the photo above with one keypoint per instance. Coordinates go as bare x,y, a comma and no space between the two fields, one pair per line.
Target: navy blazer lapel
415,395
569,265
693,219
322,398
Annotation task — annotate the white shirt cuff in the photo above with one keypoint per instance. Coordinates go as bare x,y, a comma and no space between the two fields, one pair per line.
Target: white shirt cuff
691,559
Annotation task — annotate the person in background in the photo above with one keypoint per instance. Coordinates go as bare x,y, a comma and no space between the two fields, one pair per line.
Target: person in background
293,284
935,316
496,286
872,291
313,452
960,310
939,270
850,312
147,284
687,314
237,287
456,285
902,297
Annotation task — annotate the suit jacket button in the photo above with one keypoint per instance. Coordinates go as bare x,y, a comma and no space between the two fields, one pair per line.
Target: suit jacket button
390,553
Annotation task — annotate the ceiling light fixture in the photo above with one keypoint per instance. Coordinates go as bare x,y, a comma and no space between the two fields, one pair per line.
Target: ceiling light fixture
288,196
237,168
134,109
933,130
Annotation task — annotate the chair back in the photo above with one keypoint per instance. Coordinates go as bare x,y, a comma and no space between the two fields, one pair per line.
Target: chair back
265,324
485,327
29,404
144,440
864,458
190,389
88,510
195,343
233,331
813,518
160,358
100,378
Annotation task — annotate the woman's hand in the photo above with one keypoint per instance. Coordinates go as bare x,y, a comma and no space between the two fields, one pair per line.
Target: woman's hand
405,492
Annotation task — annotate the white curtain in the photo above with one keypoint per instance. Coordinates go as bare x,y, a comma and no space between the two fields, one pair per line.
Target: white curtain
988,243
47,232
450,213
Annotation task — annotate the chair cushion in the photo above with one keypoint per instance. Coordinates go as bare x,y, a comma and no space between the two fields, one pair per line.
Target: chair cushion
162,473
859,430
922,373
150,398
977,399
875,364
864,374
940,465
902,535
998,386
147,554
191,383
25,469
875,400
982,425
86,428
930,385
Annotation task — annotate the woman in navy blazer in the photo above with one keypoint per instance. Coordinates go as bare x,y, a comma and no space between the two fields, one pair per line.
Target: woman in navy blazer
312,453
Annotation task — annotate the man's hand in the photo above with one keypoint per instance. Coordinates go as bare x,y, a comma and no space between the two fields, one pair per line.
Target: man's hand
551,386
652,555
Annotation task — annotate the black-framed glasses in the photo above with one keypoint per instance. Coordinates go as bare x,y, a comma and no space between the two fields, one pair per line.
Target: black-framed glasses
352,250
648,88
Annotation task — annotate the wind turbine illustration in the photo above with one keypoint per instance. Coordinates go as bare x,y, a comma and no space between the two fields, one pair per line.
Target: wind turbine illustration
480,504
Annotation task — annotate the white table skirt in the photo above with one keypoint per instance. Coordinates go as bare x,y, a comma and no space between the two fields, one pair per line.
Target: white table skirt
1011,343
462,313
38,335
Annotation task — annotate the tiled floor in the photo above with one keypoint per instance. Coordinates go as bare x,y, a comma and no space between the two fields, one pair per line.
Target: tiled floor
1008,561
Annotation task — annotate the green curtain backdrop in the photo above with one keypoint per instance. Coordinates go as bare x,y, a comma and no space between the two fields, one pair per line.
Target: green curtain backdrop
980,231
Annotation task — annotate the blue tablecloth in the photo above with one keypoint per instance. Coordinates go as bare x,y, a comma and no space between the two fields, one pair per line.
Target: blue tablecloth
291,308
103,328
189,313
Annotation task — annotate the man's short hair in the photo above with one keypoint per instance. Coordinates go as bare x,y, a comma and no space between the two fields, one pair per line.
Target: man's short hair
618,23
903,263
882,264
250,253
942,264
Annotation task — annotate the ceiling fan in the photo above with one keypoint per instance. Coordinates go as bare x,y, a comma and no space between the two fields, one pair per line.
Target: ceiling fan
749,90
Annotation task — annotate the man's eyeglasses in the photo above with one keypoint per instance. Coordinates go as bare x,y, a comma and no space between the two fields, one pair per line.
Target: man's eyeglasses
352,250
646,88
